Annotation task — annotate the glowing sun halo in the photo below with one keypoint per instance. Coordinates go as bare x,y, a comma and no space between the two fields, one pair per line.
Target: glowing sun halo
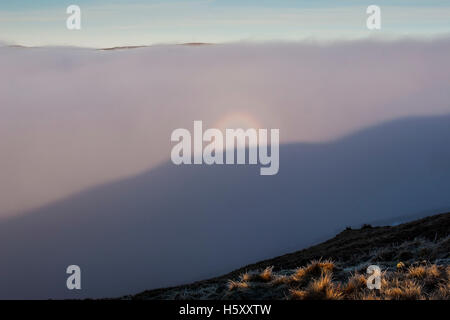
237,120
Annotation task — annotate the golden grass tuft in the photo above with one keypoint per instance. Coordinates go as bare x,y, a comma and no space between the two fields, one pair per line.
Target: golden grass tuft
422,272
246,277
417,272
322,280
313,269
355,284
319,289
433,271
266,275
299,274
408,290
232,285
443,292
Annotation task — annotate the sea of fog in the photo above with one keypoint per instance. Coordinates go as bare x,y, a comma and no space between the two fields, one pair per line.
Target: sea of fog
86,177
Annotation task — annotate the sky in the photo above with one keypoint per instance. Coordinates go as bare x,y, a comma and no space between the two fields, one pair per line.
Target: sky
144,22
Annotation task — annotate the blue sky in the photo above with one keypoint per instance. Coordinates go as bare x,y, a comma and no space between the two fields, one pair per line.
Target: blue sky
139,22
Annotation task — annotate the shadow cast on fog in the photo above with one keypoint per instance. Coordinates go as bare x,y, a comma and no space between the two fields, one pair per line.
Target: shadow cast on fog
176,224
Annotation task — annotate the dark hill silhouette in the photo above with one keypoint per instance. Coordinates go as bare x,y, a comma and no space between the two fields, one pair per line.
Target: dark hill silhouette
352,250
178,224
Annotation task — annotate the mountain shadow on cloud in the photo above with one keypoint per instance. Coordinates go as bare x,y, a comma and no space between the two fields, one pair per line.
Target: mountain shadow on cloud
177,224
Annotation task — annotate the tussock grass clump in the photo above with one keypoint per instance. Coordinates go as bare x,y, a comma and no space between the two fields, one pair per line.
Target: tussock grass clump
319,289
232,285
430,277
433,271
324,280
354,285
263,276
314,269
266,275
407,290
318,267
417,272
443,292
246,277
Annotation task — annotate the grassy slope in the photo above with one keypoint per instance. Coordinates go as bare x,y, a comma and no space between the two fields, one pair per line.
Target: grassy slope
422,246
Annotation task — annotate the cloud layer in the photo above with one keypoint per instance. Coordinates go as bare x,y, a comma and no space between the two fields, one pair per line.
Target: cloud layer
74,118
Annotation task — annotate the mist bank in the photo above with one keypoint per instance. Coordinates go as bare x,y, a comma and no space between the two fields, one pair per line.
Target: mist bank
177,224
75,118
